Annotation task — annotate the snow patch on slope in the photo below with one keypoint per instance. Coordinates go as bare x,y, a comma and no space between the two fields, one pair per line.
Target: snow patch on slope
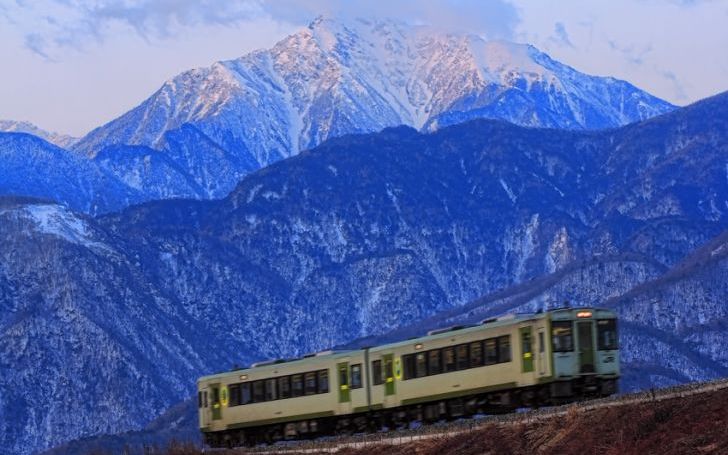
60,222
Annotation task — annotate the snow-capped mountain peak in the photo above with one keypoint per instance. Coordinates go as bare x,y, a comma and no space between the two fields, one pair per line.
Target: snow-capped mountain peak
213,125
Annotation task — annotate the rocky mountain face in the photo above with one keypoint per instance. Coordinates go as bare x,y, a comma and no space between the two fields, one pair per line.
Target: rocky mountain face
116,316
203,130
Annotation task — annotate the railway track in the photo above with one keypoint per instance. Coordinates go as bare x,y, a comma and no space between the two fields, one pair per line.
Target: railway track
449,429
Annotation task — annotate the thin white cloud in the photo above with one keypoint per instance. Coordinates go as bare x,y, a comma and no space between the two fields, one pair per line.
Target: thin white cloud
59,24
36,43
561,36
77,24
678,87
493,18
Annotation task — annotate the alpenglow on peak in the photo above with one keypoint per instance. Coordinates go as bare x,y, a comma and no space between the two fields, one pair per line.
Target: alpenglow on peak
334,78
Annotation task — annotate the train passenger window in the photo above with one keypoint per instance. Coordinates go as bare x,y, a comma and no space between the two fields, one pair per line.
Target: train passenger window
356,376
409,366
421,364
606,334
284,387
433,362
491,351
463,360
476,354
215,395
563,339
245,396
270,390
204,398
377,378
504,349
199,399
234,394
297,385
258,392
323,381
310,383
448,359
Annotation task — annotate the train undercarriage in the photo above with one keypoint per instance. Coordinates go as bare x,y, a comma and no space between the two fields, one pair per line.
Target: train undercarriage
500,402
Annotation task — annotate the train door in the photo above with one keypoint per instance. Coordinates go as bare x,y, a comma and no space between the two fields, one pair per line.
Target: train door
586,346
204,407
342,369
526,350
541,360
390,374
215,402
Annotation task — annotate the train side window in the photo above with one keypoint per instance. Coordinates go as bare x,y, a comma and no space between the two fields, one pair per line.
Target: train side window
377,378
463,360
310,381
504,349
204,397
284,387
297,385
606,334
563,339
476,354
356,376
270,390
215,395
245,396
491,351
258,392
408,361
234,394
199,400
323,381
433,362
421,364
448,359
541,343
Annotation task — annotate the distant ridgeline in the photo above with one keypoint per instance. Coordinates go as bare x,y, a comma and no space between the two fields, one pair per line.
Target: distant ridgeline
205,129
117,315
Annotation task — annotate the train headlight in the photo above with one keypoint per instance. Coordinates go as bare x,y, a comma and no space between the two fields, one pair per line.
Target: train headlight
584,314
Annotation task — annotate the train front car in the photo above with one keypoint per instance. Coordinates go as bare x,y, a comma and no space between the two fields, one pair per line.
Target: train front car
585,353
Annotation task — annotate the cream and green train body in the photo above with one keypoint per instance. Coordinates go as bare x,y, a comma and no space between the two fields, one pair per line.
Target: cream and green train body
504,363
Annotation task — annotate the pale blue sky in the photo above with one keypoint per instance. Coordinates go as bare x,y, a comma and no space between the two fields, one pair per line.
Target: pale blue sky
72,65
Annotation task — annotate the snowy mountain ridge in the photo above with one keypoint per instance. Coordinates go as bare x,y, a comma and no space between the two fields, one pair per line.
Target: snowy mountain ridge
331,79
61,140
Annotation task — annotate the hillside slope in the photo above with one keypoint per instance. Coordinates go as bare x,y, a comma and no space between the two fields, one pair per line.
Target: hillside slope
357,237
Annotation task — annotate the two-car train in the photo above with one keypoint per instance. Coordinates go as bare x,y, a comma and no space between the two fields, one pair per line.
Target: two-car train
501,364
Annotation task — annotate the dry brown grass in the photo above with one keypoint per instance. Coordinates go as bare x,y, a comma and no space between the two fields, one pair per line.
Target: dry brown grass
691,425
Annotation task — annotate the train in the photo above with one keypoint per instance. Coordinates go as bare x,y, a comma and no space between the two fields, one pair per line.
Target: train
501,364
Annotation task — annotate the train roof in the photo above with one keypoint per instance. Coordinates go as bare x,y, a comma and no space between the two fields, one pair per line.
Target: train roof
326,356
